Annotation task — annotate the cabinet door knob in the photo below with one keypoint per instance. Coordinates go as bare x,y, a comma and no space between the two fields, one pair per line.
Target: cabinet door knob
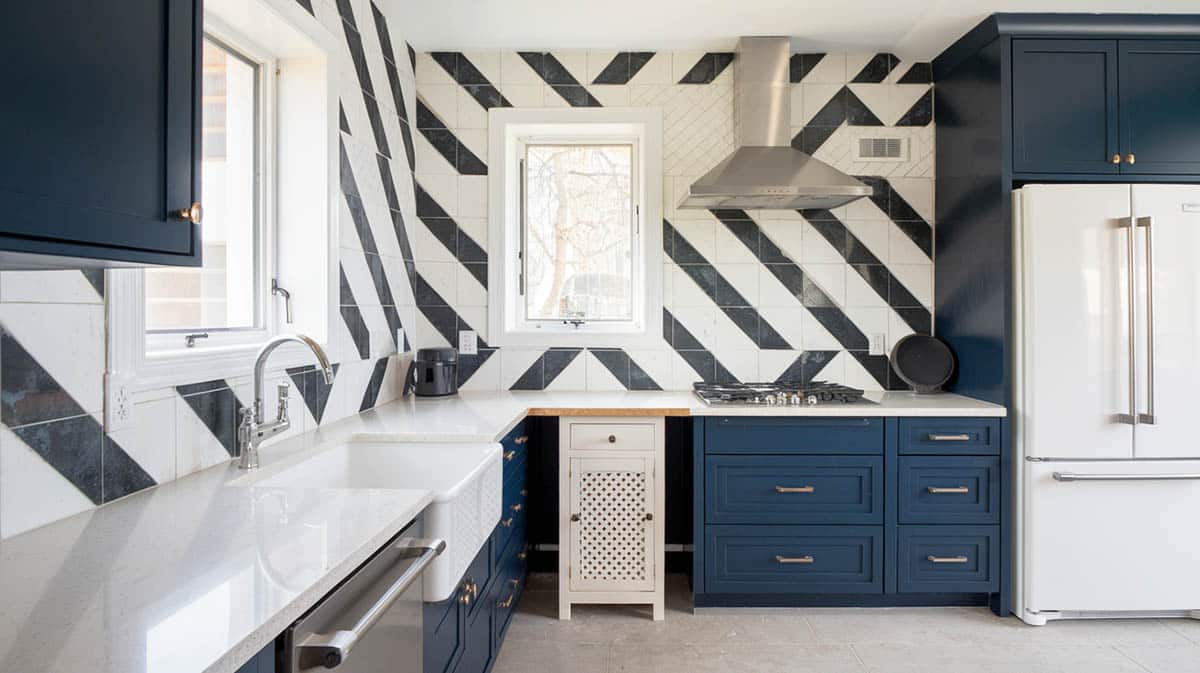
649,516
1116,158
612,439
192,213
574,517
1130,159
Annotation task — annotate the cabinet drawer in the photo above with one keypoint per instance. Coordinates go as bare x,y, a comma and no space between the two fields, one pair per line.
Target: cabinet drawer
932,559
612,436
949,489
793,489
476,578
793,435
793,559
978,436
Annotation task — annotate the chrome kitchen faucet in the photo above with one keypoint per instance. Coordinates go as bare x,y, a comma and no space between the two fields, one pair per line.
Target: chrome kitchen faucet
252,430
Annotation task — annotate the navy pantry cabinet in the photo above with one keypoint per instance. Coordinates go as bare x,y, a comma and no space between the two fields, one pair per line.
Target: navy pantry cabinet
463,634
1105,106
100,133
847,511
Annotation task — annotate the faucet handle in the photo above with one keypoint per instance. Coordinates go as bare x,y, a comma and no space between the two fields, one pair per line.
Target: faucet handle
283,389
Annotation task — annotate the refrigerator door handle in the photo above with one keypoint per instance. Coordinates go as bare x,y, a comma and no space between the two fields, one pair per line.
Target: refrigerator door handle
1127,224
1148,223
1074,476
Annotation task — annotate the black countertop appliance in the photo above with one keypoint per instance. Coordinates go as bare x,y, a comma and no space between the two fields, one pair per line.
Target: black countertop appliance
436,372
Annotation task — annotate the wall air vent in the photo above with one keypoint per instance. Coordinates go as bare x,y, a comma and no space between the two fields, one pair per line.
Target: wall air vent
881,149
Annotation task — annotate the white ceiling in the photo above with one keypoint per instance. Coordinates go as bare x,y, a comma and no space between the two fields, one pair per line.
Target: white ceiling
912,29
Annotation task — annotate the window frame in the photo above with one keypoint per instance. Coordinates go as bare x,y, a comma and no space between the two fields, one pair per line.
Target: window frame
308,56
266,252
511,130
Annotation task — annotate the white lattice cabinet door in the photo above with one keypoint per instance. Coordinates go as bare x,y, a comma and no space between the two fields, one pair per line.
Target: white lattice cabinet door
611,496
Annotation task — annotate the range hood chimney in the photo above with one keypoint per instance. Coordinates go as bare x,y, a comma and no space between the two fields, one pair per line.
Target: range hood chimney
765,172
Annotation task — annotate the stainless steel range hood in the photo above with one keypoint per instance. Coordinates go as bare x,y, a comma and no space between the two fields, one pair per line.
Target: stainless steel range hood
765,171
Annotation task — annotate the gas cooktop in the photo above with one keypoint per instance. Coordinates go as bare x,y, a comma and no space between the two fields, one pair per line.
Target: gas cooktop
777,394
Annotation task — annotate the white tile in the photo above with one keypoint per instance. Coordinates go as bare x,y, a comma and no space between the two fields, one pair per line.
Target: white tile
727,336
786,234
860,293
476,317
473,196
730,249
831,69
486,62
525,95
486,377
816,337
682,62
744,278
788,321
685,293
796,93
32,493
195,446
428,72
655,362
700,321
597,61
514,70
855,63
575,61
598,376
471,115
67,340
442,99
442,277
54,287
815,97
902,249
816,249
476,228
476,141
444,190
918,278
772,292
918,193
656,71
150,440
701,235
610,95
743,364
514,362
468,291
771,364
831,278
574,376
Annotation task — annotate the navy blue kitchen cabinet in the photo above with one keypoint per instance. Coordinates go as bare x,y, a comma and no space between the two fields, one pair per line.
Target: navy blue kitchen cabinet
803,511
1160,106
100,133
1064,110
463,634
263,662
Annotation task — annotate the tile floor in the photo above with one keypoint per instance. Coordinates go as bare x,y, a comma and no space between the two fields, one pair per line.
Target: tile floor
603,639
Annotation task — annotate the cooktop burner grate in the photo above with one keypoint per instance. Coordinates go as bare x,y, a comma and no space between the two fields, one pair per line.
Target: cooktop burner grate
781,393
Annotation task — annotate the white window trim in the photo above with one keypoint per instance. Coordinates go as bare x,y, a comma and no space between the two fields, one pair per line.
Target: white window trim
506,129
131,369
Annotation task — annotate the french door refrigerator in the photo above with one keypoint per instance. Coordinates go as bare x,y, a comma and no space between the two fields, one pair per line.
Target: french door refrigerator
1107,401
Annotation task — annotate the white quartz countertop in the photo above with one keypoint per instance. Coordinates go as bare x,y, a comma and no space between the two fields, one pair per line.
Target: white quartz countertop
197,575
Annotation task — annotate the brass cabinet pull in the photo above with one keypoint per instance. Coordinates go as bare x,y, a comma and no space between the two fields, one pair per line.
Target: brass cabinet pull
807,558
524,491
522,555
507,523
465,597
505,603
946,559
509,455
1130,159
193,213
514,582
521,440
795,489
1116,158
948,489
950,438
516,507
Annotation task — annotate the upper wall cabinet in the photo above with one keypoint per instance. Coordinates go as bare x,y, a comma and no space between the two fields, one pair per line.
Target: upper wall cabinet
100,133
1100,106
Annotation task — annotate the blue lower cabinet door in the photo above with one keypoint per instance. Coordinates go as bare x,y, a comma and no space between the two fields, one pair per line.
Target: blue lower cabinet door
952,436
477,646
758,435
794,489
794,559
263,662
955,559
949,489
443,634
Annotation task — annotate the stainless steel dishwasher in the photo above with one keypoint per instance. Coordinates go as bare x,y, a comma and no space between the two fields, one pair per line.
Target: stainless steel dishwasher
371,622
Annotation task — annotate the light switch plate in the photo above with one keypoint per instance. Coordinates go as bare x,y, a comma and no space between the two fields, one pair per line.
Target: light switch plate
878,344
467,342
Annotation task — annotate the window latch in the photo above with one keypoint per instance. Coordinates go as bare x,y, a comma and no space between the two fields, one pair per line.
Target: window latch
190,339
276,288
576,323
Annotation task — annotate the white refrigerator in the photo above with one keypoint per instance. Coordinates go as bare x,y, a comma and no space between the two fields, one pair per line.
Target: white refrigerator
1106,424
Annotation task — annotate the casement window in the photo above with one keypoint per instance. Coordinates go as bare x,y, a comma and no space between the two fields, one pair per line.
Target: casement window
268,184
575,227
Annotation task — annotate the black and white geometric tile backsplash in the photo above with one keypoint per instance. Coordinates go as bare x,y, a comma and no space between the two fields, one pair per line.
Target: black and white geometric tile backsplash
748,294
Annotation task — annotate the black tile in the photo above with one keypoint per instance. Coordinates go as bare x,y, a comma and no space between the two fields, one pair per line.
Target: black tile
444,142
427,118
397,92
444,230
30,393
343,123
833,113
467,73
307,5
921,112
832,231
487,95
876,69
639,379
792,278
918,319
616,72
468,249
746,319
479,271
554,72
219,411
769,253
840,327
346,296
120,474
919,233
469,364
444,320
412,56
392,315
616,361
857,253
918,73
345,11
346,173
533,378
313,389
681,252
812,296
747,232
379,279
201,387
801,64
358,215
876,365
359,58
707,68
857,112
680,338
96,278
876,275
638,60
358,330
703,363
534,60
426,205
705,277
425,295
389,184
815,214
795,371
381,143
898,295
721,374
374,385
401,229
556,360
725,294
385,40
769,339
409,150
812,362
468,163
73,447
448,60
576,95
811,138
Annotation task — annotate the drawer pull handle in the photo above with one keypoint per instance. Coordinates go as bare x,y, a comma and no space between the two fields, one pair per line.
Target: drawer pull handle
795,489
612,439
947,559
521,440
507,523
509,455
524,492
514,582
504,604
964,437
522,555
516,507
936,490
807,558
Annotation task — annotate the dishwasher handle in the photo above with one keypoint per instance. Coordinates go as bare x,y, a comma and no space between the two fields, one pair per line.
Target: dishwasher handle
331,649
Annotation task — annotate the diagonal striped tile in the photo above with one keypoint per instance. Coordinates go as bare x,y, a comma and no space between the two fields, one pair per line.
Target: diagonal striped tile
448,323
717,288
707,68
806,366
700,359
374,385
917,73
801,64
843,108
623,67
545,369
921,112
559,78
876,69
446,143
900,212
463,71
624,369
460,244
313,389
217,407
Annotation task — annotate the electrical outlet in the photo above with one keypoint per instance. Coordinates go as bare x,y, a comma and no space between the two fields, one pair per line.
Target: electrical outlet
118,404
878,344
467,342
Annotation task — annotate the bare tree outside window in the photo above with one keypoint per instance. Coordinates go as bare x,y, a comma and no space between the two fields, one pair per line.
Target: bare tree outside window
579,232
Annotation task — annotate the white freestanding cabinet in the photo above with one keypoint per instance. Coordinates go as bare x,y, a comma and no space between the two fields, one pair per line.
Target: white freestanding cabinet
1107,292
611,504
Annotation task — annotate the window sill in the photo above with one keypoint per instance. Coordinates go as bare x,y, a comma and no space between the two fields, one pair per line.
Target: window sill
651,337
165,369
